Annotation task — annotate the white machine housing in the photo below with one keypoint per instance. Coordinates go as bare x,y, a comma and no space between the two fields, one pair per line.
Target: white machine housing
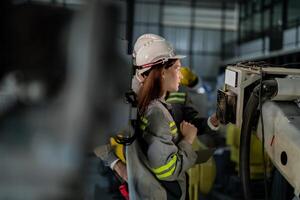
281,115
237,79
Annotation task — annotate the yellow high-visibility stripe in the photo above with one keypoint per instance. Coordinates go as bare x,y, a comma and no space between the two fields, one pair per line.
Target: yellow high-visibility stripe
175,100
143,127
172,124
145,124
177,94
174,131
166,166
167,174
143,119
173,128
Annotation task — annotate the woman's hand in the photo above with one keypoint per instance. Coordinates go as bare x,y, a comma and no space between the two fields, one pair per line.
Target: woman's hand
189,131
121,170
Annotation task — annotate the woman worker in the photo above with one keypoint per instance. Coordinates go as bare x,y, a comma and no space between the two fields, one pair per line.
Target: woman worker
166,148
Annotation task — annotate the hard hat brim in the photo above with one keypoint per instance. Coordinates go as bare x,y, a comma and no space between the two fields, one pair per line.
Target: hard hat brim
178,57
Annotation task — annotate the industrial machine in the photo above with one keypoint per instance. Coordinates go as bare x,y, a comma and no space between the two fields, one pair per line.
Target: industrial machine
265,98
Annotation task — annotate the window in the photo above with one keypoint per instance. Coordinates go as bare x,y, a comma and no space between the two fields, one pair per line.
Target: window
293,12
257,23
266,20
277,15
257,5
267,2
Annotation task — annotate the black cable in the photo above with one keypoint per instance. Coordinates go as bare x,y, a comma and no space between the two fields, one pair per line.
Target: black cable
249,116
283,65
290,64
268,89
264,64
263,133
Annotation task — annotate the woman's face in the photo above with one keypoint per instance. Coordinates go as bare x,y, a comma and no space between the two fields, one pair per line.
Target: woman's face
171,77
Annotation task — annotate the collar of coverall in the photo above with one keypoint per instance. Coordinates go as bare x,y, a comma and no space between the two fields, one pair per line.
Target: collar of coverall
163,101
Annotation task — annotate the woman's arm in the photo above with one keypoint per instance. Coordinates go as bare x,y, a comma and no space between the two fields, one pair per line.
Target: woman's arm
167,160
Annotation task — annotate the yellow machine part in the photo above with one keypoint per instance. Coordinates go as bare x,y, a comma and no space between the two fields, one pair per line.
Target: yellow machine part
201,176
119,149
256,156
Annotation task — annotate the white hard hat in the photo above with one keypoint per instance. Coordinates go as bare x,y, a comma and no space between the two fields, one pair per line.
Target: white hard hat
151,49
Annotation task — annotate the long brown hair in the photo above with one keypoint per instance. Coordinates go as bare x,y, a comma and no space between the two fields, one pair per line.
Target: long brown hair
152,86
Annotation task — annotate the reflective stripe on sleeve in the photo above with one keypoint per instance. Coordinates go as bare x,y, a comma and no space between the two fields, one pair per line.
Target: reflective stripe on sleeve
143,123
175,100
176,97
173,128
166,170
177,94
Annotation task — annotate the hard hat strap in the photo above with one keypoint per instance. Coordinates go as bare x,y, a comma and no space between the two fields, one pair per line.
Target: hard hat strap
161,61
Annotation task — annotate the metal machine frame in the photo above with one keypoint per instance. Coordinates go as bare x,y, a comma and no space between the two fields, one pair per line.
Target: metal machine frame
281,113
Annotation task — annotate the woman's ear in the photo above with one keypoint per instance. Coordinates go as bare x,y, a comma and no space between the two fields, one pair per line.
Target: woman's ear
163,72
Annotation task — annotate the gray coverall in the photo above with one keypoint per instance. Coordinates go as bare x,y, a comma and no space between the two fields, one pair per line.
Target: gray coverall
162,153
161,134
